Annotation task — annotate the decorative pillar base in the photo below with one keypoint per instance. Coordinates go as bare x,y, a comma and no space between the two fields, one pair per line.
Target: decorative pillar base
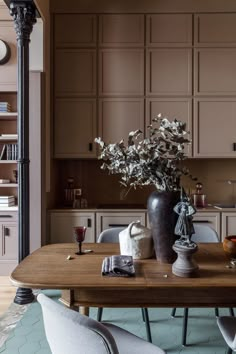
185,265
24,296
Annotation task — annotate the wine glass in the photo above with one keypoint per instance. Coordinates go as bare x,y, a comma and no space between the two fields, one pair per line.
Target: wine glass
79,232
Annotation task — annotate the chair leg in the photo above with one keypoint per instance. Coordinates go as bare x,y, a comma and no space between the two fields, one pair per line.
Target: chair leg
231,311
185,325
99,314
229,351
143,317
173,312
217,312
147,324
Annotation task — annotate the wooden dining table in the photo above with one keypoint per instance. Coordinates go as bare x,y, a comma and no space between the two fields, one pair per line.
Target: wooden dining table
154,284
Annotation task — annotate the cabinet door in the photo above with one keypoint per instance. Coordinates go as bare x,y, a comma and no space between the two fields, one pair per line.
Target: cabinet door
215,30
75,128
118,117
215,127
228,224
9,241
179,108
108,220
210,219
61,228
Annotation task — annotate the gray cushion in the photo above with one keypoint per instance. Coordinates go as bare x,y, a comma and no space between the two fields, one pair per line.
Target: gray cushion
204,233
110,235
128,343
227,326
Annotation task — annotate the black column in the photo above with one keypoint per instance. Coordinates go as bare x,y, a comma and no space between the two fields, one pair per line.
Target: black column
23,13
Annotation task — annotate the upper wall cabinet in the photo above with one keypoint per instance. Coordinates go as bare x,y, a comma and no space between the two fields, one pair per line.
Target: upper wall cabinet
169,30
74,128
8,71
121,30
215,127
179,108
169,72
215,71
75,30
117,117
75,72
213,30
121,72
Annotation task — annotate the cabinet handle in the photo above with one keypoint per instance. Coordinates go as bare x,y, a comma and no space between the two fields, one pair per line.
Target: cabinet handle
118,225
6,232
89,223
90,146
234,146
5,216
200,221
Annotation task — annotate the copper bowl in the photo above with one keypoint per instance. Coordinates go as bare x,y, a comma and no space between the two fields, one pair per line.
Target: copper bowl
229,245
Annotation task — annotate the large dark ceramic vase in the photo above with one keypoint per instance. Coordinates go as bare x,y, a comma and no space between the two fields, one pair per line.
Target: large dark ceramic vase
162,220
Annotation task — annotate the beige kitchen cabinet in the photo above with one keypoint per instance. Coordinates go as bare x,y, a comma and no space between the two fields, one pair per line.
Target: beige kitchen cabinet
214,127
178,33
215,30
179,108
9,242
75,128
211,219
228,224
119,218
118,117
62,223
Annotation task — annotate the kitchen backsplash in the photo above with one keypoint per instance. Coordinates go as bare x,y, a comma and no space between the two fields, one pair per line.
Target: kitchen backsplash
99,188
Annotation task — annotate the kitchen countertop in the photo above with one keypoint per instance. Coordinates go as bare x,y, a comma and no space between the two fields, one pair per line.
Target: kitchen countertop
131,207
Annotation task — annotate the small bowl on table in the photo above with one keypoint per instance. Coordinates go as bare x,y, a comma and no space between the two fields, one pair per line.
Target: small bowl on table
229,246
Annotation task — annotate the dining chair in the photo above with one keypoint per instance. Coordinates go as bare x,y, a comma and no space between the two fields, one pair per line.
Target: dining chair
67,331
203,233
112,236
227,326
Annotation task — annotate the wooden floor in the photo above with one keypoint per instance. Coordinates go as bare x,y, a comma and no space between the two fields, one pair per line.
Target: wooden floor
7,293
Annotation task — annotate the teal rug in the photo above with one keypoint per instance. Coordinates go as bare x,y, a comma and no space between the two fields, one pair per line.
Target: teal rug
27,335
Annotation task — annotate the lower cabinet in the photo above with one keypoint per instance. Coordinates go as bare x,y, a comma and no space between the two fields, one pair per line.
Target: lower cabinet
209,218
106,220
228,224
62,223
9,242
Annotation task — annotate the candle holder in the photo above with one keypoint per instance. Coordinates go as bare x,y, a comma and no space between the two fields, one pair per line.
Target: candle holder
79,233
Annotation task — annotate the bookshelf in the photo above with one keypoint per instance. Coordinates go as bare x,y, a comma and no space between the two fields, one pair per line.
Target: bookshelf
8,145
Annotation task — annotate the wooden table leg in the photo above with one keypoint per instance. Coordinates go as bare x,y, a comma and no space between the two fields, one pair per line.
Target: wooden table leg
84,310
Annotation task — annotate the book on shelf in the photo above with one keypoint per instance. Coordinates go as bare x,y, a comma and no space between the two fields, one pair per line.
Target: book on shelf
2,181
3,152
10,203
9,136
9,152
7,197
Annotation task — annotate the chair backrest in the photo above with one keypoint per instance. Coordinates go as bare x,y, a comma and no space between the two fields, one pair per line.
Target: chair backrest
110,235
67,331
204,233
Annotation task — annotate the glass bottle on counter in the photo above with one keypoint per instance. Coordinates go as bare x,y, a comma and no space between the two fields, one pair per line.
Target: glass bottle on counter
79,201
199,199
69,192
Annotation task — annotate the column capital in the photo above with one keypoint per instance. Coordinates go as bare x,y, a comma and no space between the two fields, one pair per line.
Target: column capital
24,16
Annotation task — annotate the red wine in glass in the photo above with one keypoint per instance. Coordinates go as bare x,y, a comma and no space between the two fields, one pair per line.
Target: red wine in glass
79,232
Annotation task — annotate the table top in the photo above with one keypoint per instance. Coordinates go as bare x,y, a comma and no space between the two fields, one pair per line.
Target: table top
48,267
